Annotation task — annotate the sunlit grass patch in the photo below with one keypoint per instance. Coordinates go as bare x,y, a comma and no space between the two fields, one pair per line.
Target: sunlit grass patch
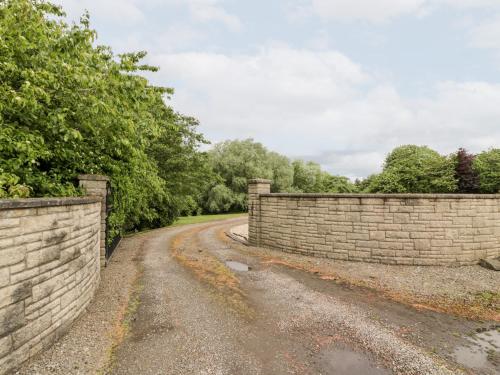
206,218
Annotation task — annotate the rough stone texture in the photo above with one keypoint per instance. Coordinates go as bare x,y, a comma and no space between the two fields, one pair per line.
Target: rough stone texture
491,264
49,270
419,229
97,185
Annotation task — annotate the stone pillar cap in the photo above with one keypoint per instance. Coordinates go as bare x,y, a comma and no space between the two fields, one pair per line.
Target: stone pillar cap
259,181
93,177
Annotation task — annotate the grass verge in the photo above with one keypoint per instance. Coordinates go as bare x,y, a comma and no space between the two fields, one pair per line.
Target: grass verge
205,218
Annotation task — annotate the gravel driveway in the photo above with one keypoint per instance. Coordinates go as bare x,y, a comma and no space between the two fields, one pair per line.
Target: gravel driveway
190,300
198,316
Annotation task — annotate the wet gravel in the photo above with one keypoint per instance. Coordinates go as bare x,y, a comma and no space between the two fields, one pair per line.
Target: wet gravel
312,309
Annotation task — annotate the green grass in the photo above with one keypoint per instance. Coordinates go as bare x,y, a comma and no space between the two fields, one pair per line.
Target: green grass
205,218
184,220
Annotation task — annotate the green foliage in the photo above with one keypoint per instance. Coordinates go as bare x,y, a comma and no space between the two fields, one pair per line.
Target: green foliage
70,107
220,198
235,162
337,184
414,169
185,220
487,165
309,178
306,176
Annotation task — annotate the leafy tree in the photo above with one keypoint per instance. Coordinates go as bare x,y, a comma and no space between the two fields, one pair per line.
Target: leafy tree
185,170
235,162
68,106
309,178
487,164
220,198
468,178
306,176
282,172
337,184
414,169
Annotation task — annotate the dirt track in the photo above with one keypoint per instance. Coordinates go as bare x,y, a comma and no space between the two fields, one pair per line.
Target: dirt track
197,316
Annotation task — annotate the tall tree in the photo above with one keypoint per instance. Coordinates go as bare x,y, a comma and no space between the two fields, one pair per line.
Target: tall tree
414,169
238,161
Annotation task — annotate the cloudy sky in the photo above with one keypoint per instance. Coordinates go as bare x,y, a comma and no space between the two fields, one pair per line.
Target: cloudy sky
340,82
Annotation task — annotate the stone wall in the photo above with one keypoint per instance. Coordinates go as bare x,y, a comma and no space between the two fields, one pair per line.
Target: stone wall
413,229
49,271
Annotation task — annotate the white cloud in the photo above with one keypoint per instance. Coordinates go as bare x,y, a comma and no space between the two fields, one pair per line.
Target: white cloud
486,34
211,10
464,4
373,11
133,11
122,11
380,10
324,105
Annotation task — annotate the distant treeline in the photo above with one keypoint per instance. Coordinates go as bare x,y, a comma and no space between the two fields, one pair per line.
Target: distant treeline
407,169
419,169
233,163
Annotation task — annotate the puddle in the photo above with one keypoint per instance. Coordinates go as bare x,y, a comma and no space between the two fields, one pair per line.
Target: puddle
482,351
348,362
237,266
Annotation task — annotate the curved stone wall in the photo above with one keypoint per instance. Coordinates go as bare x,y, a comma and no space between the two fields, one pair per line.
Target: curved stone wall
413,229
49,271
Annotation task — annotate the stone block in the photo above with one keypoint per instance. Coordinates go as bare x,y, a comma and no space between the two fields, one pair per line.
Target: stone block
47,287
377,235
372,219
397,234
14,293
5,345
401,218
11,318
422,244
31,330
12,255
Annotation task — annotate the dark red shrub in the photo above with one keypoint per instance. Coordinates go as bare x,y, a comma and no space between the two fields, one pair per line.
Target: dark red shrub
468,178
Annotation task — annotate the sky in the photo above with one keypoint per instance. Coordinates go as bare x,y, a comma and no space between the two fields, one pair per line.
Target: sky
338,82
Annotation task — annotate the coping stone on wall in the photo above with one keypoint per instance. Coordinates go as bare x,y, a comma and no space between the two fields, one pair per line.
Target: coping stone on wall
46,202
259,181
384,196
93,177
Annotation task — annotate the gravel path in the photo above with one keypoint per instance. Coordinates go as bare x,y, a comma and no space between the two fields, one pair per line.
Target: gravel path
465,283
198,317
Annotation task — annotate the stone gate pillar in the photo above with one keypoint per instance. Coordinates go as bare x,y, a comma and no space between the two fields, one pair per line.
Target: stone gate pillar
97,185
255,188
